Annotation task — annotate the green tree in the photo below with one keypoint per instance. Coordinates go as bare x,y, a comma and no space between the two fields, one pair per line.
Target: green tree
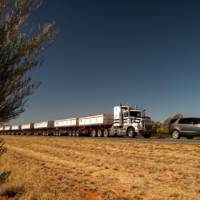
21,50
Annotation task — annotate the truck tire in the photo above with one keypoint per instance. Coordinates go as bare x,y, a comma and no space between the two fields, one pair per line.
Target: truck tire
99,133
175,134
93,133
147,135
105,133
130,133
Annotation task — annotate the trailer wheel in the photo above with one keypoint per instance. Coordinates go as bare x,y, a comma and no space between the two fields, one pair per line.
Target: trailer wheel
70,133
105,133
99,133
130,132
93,133
74,133
77,133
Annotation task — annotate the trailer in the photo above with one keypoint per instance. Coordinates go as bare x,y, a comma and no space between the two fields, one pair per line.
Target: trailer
7,130
43,128
65,126
26,129
124,121
15,129
1,130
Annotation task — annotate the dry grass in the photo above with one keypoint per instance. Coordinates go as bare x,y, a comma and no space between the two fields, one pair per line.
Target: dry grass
49,168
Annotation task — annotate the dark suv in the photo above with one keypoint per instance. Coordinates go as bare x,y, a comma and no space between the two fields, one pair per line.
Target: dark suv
188,127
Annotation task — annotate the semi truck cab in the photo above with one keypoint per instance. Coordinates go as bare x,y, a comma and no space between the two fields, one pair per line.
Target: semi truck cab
131,121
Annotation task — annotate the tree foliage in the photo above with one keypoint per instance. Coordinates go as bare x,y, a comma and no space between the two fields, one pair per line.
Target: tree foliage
175,116
21,48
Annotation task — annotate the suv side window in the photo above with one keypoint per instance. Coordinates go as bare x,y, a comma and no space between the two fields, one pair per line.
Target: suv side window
191,121
186,121
197,121
183,121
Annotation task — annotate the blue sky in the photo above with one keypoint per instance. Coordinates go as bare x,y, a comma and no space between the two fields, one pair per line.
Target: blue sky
118,51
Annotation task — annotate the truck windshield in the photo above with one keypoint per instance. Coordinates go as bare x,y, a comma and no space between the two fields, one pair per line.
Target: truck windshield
135,114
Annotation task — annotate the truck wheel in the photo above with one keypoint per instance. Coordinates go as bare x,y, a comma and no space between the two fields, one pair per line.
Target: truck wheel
147,135
99,133
175,134
93,133
105,133
130,133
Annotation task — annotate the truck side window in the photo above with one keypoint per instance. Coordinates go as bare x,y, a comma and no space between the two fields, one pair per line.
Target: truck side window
125,114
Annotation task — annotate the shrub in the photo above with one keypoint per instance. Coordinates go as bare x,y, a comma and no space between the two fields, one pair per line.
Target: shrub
162,131
2,147
12,191
4,176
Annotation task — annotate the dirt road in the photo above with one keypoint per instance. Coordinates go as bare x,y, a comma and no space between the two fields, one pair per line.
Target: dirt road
90,169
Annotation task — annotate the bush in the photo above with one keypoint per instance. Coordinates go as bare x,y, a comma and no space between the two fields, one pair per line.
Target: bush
2,147
12,191
162,131
4,176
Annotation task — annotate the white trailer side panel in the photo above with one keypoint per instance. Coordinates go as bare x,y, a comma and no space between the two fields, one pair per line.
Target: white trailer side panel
7,128
15,127
25,126
41,125
101,119
1,128
65,122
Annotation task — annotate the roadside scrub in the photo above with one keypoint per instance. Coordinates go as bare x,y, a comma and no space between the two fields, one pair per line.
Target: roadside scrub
163,131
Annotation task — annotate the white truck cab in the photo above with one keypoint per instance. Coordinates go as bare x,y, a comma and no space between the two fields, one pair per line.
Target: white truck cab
130,121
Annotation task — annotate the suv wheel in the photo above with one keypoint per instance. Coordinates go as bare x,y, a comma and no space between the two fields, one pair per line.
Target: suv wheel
175,134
